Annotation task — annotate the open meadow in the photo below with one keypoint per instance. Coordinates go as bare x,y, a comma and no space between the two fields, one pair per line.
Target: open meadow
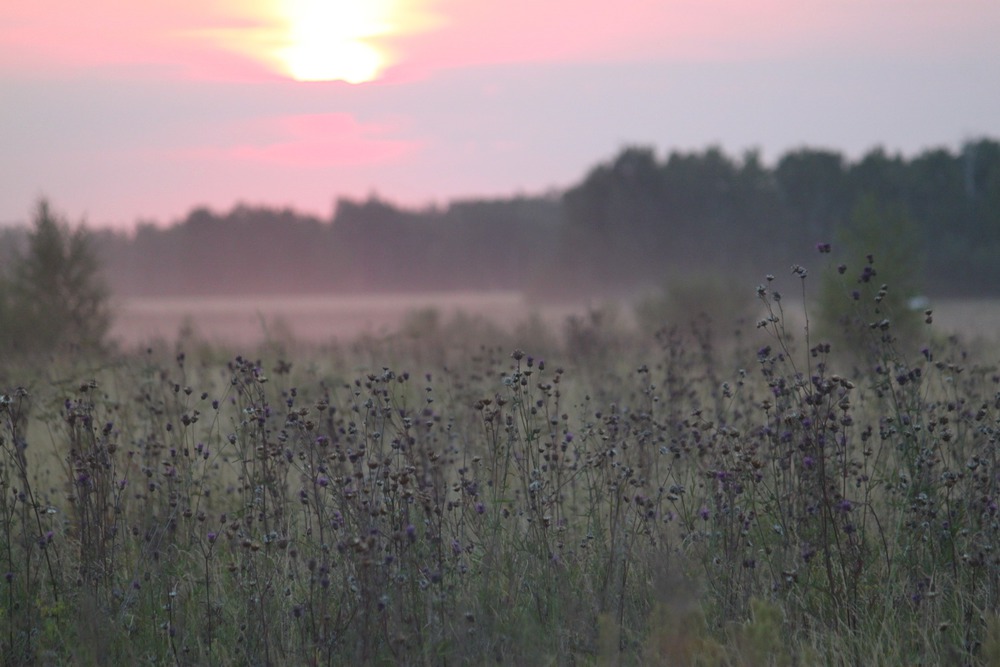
447,489
317,319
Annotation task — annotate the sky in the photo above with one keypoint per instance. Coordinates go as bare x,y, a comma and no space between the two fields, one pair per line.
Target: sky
120,111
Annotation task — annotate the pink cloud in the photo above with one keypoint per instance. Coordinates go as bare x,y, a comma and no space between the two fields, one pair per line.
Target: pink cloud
67,35
310,141
491,32
231,39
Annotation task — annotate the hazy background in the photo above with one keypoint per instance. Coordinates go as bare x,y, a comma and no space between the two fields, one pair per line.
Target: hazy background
123,111
539,153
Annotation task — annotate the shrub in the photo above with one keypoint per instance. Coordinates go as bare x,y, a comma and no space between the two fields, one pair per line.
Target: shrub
864,298
685,299
55,295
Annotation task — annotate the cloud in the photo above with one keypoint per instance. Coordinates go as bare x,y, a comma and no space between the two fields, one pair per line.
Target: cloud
310,141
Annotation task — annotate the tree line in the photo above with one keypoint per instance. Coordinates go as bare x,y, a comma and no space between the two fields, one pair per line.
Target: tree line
635,220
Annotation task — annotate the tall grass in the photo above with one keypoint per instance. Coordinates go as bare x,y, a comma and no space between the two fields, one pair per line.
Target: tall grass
443,497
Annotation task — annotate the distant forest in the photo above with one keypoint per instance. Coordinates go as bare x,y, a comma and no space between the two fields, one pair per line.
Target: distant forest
632,222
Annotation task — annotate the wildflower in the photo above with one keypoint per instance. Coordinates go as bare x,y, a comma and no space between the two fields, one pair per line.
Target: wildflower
823,248
212,536
704,513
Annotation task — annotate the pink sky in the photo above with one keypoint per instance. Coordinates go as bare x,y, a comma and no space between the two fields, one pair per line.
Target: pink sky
120,110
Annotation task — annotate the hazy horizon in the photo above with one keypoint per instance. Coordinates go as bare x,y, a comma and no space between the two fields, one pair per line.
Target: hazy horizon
768,161
119,113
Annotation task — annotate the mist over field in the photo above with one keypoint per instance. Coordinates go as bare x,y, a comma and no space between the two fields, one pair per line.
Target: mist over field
636,225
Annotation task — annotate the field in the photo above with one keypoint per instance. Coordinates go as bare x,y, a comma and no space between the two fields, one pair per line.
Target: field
320,319
446,488
313,319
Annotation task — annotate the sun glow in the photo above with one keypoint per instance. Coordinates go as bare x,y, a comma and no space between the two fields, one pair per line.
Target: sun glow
332,39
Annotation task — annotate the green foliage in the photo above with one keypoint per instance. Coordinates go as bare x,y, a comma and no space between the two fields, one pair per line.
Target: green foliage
55,295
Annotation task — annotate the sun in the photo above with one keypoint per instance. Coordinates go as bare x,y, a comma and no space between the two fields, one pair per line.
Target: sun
331,40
